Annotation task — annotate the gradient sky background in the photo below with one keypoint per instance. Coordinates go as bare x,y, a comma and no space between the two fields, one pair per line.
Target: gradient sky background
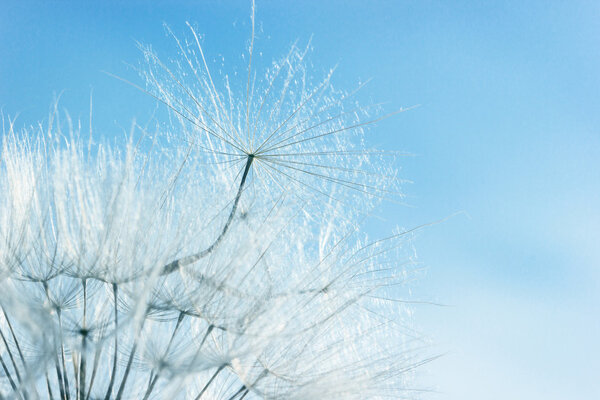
508,131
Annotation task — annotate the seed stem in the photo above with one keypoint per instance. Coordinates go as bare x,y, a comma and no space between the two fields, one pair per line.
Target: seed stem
173,266
62,356
114,366
83,344
154,378
209,382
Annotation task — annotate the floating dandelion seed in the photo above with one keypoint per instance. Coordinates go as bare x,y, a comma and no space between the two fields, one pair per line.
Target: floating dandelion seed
132,274
294,137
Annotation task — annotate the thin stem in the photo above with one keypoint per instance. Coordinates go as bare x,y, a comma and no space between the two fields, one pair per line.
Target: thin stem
236,394
84,334
61,384
173,266
7,373
12,332
151,384
209,382
154,378
126,373
208,331
245,393
10,355
94,370
62,355
245,389
10,352
130,360
49,387
59,375
114,366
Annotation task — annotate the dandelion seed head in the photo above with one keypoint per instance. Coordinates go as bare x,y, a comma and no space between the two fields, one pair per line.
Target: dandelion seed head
220,259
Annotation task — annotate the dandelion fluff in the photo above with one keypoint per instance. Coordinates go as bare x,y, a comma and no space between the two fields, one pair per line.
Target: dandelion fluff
223,260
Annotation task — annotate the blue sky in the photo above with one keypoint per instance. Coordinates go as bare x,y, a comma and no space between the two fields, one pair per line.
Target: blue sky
508,131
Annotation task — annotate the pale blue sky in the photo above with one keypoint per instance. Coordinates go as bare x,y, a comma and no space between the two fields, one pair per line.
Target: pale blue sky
508,131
